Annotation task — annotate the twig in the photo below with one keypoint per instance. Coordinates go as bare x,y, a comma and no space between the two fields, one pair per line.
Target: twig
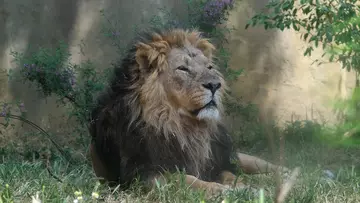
72,100
42,131
286,187
47,164
280,163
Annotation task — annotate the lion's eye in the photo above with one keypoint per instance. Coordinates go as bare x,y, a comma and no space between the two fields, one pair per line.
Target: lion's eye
183,68
210,67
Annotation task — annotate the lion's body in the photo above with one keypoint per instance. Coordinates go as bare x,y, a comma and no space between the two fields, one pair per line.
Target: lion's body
131,153
162,113
139,129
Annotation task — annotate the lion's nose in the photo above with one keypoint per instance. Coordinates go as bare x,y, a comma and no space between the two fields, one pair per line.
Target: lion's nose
212,86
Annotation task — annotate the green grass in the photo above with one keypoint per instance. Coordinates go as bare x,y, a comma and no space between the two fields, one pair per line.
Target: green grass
21,178
24,179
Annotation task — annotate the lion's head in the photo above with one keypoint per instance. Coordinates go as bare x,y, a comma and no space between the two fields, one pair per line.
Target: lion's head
177,80
166,88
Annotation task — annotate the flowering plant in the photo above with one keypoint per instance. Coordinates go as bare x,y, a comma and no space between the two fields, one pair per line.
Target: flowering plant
215,10
53,73
9,110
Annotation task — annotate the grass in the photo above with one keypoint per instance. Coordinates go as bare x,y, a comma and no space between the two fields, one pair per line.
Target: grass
25,178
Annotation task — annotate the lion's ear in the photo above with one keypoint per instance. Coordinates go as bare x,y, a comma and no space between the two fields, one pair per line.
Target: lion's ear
152,55
206,47
201,43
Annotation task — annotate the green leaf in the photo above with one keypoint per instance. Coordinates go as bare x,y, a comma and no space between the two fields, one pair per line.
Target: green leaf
282,26
295,27
329,36
308,51
294,12
306,35
266,26
331,58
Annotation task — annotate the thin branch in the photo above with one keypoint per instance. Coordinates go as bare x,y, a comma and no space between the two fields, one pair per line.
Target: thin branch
47,165
41,131
72,100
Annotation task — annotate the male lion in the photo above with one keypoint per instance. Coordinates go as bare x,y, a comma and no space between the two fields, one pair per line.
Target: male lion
163,112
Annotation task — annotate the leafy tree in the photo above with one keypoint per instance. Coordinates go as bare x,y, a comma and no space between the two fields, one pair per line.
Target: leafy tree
335,26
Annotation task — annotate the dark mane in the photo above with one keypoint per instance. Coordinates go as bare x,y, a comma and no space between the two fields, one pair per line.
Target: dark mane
124,145
123,76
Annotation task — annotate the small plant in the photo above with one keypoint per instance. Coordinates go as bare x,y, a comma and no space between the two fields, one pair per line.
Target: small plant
6,195
7,111
52,72
75,85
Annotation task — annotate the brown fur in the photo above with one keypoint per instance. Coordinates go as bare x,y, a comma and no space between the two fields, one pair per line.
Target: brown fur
155,109
160,112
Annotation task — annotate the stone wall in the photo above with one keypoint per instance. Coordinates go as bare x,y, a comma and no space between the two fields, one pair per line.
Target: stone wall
278,77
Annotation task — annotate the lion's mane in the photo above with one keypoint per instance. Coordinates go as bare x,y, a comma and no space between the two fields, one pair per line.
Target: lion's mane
137,134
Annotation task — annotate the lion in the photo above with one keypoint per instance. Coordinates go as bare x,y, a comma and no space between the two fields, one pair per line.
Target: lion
163,112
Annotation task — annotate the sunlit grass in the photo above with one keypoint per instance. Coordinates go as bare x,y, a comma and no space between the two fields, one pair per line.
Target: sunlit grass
21,181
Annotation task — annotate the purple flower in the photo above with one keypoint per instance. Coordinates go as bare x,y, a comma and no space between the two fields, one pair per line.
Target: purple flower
22,107
3,112
72,81
214,9
115,33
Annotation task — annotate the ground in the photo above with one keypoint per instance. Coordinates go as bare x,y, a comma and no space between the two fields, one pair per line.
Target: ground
22,178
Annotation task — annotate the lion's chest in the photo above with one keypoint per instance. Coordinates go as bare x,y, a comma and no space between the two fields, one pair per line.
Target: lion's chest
170,154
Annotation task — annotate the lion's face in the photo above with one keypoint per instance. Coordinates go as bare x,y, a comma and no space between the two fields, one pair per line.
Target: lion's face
179,78
194,86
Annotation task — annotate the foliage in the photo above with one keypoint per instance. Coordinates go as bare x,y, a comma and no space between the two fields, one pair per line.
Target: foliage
348,132
332,24
53,73
8,109
8,113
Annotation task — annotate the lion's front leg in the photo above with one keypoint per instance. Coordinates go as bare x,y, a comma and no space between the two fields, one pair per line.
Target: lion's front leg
210,188
228,178
253,165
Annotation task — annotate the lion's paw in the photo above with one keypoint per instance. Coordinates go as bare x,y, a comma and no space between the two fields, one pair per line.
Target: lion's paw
214,189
